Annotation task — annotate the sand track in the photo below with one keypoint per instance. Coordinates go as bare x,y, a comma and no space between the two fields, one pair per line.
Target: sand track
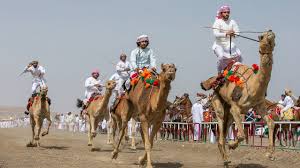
63,150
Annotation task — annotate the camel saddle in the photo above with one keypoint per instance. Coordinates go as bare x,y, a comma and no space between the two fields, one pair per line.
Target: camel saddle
288,114
216,81
95,96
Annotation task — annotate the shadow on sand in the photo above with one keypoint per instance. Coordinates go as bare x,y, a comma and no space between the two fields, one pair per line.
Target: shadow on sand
250,165
168,165
55,147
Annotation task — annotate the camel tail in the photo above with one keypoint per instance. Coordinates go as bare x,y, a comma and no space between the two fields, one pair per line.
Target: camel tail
79,103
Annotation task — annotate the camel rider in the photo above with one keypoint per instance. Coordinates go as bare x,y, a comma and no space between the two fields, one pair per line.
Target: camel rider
288,103
93,87
143,56
224,30
115,93
37,72
123,69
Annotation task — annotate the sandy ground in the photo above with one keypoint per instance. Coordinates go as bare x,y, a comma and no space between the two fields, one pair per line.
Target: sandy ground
64,149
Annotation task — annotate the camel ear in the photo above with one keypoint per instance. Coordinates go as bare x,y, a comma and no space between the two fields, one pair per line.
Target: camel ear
162,66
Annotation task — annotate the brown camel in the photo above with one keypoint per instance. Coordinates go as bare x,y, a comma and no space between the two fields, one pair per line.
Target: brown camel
286,130
97,110
184,106
149,105
38,112
231,100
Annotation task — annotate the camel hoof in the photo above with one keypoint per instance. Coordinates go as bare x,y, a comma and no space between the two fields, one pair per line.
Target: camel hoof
133,147
114,154
30,144
141,160
232,145
226,164
44,133
149,166
94,149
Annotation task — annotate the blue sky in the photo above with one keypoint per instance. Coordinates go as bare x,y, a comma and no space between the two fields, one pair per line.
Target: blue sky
72,37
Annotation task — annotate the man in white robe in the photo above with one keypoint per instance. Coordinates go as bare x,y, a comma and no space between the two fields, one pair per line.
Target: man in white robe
288,103
38,81
224,30
123,69
197,114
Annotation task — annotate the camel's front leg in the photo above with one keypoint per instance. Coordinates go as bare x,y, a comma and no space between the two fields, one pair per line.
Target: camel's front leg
121,135
218,106
38,126
133,132
236,113
110,130
90,138
49,124
32,123
156,127
145,128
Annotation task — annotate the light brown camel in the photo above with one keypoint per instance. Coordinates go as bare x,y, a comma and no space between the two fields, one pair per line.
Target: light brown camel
119,119
38,112
97,110
230,100
149,105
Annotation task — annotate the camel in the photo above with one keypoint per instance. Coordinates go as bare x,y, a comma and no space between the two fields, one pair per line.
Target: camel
231,100
184,105
97,110
38,112
274,111
119,119
149,106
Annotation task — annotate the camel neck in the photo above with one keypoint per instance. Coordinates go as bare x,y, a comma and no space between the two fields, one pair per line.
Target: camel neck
43,101
106,96
163,93
264,74
266,61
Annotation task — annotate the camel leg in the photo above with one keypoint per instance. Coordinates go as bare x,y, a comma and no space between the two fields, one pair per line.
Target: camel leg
32,123
133,123
145,128
113,131
90,134
38,126
49,124
218,106
156,127
94,123
121,135
261,109
109,131
236,113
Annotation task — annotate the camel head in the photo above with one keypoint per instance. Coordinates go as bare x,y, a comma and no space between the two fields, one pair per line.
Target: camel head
110,84
179,101
267,42
168,72
44,91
